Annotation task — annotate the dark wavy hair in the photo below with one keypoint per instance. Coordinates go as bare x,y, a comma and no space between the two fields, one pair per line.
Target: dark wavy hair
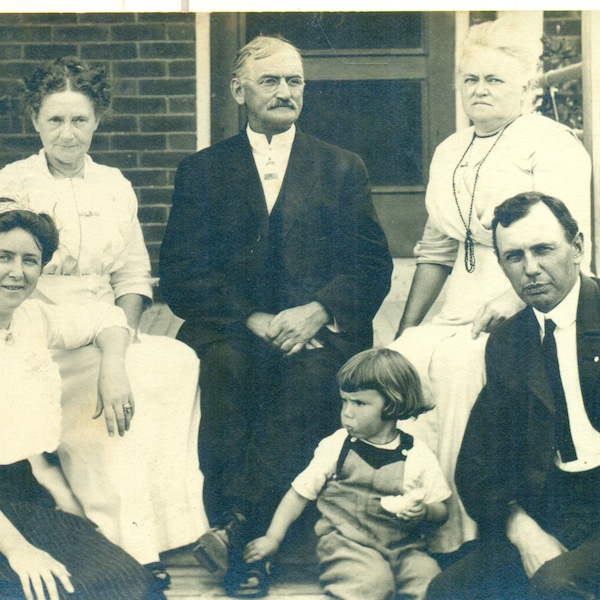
515,208
40,226
67,73
391,375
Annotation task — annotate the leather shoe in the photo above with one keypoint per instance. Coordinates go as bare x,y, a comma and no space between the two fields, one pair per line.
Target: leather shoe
212,549
247,581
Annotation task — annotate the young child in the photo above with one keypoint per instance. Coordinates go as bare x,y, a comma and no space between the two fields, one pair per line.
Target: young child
377,489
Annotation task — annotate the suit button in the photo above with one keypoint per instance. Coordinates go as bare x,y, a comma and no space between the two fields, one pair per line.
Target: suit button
596,358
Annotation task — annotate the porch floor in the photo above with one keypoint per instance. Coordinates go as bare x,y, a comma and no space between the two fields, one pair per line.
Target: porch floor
189,581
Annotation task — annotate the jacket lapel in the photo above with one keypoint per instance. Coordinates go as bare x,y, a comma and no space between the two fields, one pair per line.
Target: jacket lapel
588,346
245,175
299,179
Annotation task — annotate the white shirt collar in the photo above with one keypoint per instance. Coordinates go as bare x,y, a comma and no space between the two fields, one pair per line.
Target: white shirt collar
280,141
564,313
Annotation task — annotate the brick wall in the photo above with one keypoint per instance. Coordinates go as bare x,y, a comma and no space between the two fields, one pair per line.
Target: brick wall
151,126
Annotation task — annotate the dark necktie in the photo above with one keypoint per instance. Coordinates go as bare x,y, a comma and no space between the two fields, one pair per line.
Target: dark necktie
562,436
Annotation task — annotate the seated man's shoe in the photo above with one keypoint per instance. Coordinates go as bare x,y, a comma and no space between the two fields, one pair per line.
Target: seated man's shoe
212,549
247,581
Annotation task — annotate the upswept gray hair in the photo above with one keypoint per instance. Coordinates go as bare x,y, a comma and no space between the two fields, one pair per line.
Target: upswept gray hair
511,36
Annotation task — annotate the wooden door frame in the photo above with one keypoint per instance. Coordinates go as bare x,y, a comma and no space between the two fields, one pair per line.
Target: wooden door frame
227,36
401,208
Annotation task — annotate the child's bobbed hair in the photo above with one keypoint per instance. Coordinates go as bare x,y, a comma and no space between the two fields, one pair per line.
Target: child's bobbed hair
391,375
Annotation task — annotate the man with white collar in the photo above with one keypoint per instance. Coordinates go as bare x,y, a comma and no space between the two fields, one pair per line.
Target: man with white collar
529,467
274,257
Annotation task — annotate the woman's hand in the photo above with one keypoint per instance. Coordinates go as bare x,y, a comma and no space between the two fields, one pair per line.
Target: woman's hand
260,548
495,311
114,392
37,569
115,397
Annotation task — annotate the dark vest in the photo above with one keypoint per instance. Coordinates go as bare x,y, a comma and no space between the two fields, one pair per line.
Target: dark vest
271,284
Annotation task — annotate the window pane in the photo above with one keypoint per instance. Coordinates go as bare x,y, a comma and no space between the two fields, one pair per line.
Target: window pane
340,31
379,120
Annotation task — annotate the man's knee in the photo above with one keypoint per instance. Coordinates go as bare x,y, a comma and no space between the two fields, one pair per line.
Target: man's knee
223,357
555,581
490,570
442,587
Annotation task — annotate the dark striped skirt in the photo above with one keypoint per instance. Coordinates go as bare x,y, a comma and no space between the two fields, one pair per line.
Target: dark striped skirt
99,569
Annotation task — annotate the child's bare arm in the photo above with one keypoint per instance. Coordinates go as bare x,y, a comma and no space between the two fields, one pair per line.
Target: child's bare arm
436,512
289,509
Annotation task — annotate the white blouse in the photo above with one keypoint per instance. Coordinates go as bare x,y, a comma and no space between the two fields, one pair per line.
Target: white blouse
534,154
102,250
30,412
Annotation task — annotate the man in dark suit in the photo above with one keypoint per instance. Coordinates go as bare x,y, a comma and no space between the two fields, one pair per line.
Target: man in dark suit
274,257
529,467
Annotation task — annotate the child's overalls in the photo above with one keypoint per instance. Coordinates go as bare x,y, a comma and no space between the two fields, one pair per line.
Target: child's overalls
366,553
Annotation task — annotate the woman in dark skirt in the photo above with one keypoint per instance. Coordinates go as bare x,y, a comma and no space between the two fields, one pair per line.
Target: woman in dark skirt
47,550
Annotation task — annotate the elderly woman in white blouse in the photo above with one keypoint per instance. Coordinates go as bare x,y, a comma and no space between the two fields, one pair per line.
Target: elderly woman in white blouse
143,487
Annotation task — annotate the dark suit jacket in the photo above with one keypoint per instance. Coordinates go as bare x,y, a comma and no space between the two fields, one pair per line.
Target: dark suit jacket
508,446
219,238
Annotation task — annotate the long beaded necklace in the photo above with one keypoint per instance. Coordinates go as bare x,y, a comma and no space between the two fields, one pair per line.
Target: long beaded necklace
469,242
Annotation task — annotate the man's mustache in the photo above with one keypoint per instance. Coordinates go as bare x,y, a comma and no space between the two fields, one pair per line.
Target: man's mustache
279,103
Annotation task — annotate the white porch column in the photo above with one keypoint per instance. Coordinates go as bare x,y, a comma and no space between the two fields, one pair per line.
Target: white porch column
202,80
590,50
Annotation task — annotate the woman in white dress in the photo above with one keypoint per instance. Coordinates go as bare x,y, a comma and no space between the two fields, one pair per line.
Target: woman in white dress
45,541
143,487
508,150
